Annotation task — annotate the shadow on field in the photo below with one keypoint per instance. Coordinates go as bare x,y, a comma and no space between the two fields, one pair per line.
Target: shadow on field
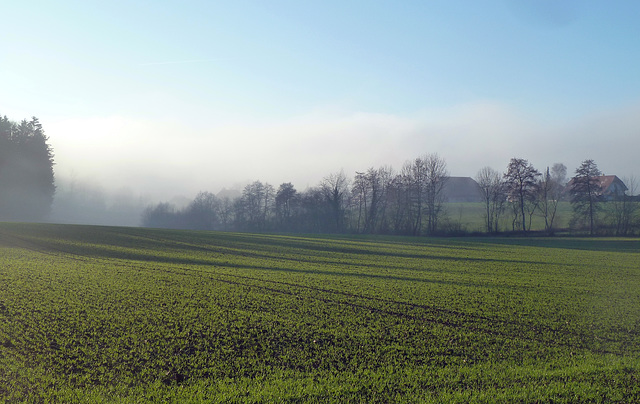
278,247
288,254
185,262
577,243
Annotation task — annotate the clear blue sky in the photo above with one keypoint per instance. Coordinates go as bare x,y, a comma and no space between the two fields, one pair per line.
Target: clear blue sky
181,96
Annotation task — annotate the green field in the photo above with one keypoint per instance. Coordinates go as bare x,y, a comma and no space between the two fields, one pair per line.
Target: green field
470,216
105,314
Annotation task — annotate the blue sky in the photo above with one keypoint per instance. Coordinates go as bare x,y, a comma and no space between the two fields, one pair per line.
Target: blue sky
172,96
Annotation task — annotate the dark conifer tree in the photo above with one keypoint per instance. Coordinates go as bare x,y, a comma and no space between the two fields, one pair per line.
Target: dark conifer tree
26,171
586,193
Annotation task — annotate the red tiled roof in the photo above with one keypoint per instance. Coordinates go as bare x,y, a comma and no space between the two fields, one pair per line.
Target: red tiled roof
607,180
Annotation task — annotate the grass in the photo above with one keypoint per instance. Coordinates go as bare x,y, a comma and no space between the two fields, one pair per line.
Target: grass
471,217
138,315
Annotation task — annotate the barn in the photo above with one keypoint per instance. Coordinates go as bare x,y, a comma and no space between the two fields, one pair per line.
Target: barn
461,189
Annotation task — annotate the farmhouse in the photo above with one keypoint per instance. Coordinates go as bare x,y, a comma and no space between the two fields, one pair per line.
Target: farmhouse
611,187
461,189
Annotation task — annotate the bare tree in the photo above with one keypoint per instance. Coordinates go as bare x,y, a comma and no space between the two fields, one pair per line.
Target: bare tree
585,193
624,209
226,213
418,193
268,202
397,203
369,195
360,192
334,188
435,179
202,212
385,177
549,193
493,193
521,182
559,173
254,208
313,217
412,183
162,215
286,201
374,183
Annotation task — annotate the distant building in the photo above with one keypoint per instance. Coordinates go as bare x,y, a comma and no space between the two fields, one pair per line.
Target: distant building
611,187
461,189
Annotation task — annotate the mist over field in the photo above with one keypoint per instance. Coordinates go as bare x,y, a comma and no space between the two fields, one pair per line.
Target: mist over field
89,203
138,113
306,149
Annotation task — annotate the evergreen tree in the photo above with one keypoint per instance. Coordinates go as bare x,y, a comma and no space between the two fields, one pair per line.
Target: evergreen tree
26,171
585,193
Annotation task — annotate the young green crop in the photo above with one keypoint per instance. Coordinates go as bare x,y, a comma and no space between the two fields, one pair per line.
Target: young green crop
100,313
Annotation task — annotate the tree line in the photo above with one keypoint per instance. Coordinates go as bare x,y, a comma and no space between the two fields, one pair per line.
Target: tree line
522,192
26,171
410,201
376,201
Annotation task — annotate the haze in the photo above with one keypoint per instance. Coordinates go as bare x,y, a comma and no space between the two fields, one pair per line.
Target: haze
155,101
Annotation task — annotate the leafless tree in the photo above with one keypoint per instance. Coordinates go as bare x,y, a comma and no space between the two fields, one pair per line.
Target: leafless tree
493,193
313,216
360,192
369,191
268,202
161,215
334,188
550,190
254,208
386,176
202,212
420,186
397,203
412,184
226,213
521,182
286,202
624,208
435,179
559,173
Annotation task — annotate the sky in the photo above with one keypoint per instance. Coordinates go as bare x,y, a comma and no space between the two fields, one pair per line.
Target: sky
166,98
